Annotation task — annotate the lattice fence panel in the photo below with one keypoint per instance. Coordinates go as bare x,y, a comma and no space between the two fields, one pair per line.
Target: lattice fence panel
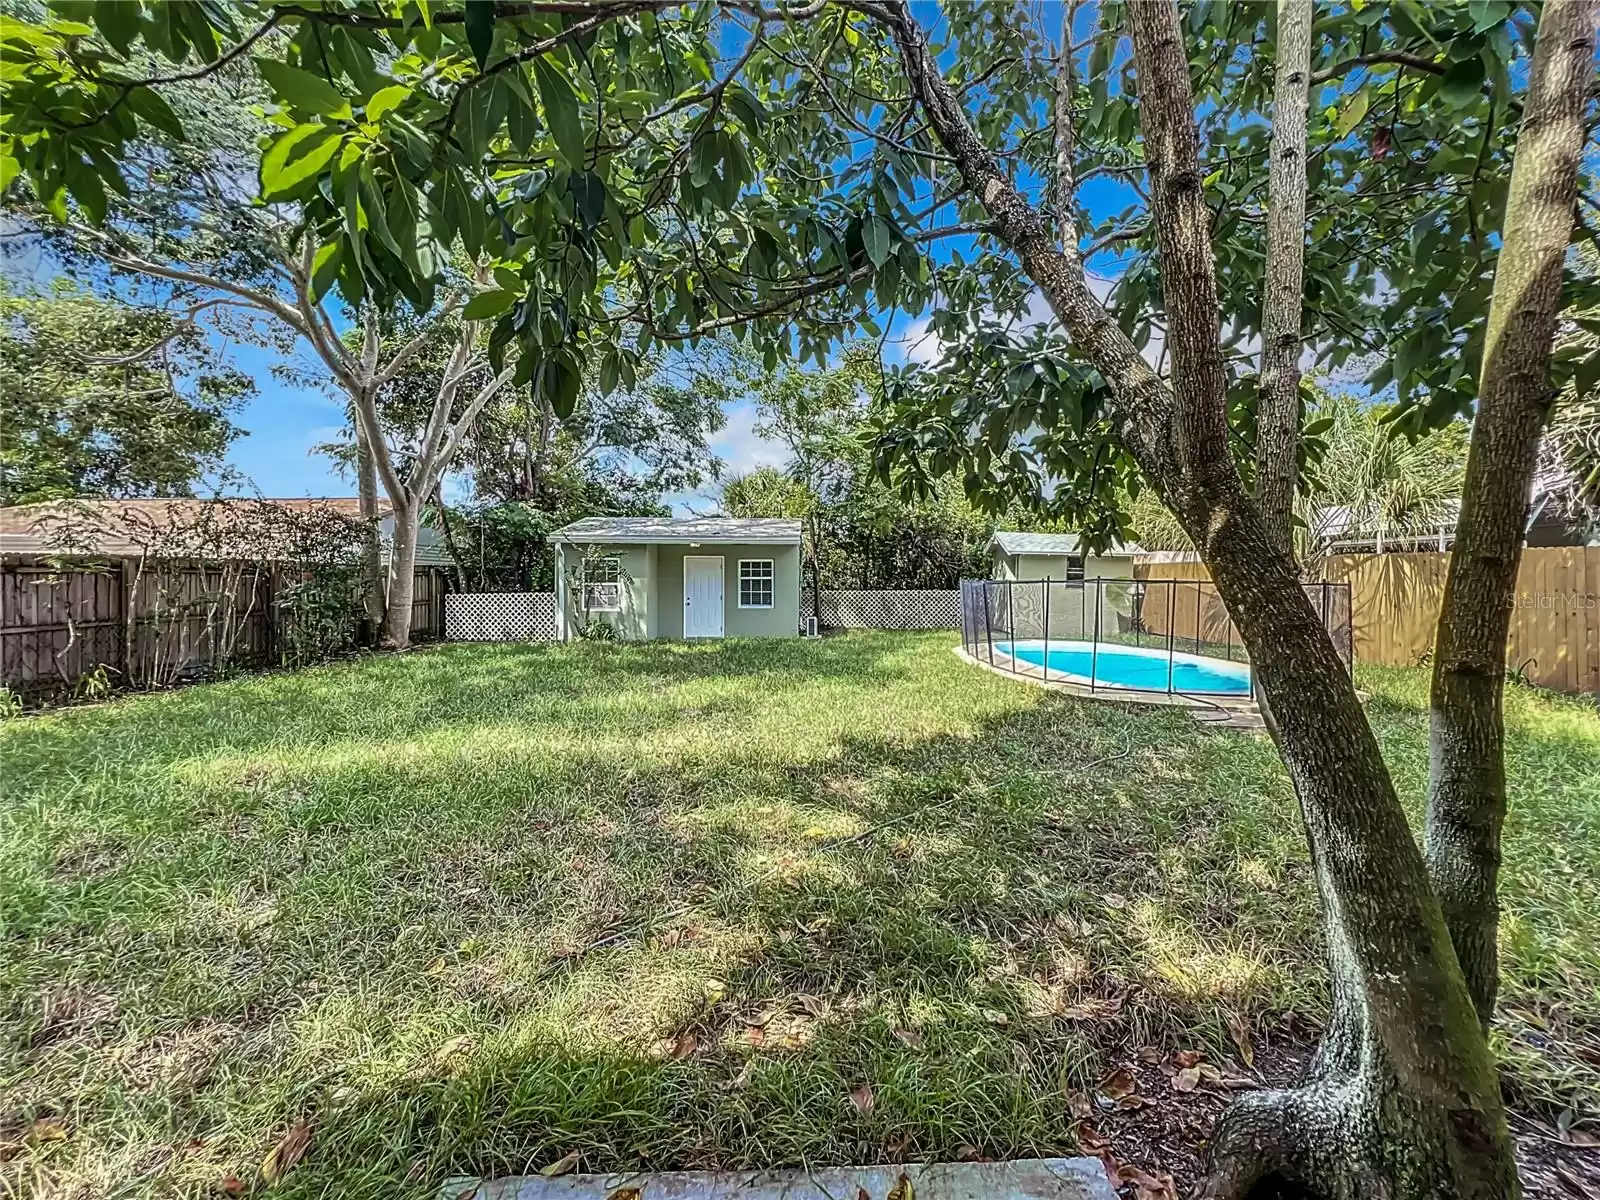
891,610
500,616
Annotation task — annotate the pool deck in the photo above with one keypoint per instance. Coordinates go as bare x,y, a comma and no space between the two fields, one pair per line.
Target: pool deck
1015,668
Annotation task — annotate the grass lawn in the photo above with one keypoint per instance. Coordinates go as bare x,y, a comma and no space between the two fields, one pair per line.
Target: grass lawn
471,909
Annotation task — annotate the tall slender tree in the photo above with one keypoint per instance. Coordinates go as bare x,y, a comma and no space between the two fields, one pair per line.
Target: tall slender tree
1277,454
1467,776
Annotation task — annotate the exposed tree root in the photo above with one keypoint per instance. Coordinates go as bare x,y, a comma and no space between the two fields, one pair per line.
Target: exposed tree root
1337,1140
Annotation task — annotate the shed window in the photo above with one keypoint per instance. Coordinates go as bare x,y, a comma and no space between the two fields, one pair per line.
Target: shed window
1074,566
755,583
602,585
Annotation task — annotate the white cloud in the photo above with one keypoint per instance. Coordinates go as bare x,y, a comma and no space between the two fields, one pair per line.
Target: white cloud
741,448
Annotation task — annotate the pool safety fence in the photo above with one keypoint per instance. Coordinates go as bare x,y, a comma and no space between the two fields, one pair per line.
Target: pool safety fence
1164,636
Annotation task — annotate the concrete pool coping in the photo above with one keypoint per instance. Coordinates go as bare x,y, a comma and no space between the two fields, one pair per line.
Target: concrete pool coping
1028,672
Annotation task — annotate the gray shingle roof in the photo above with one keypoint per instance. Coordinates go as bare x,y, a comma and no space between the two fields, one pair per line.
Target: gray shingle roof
750,530
1012,542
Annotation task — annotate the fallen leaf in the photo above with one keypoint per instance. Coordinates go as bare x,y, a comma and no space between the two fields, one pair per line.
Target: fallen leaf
743,1078
48,1129
232,1185
1186,1080
685,1045
1115,900
996,1017
417,1171
861,1194
1184,1059
899,1144
1079,1105
812,1004
756,1035
671,938
1119,1084
909,1037
1582,1137
283,1157
863,1099
564,1165
627,1193
967,1152
714,991
1149,1054
762,1019
1239,1031
902,1190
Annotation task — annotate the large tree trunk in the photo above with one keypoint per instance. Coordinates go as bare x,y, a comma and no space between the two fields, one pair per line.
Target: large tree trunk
1467,791
1405,1102
371,549
402,578
1277,457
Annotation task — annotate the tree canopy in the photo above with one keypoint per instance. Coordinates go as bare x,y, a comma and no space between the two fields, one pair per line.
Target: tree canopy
101,398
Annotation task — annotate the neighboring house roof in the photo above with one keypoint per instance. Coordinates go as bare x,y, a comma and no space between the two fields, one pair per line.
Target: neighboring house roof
129,528
1012,542
779,531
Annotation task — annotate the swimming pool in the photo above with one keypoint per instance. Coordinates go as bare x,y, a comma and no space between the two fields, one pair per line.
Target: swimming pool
1134,668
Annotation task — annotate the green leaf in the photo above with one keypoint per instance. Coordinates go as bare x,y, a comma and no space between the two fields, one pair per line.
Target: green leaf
296,157
9,169
148,104
1355,111
325,268
1461,83
386,101
303,90
561,113
875,236
486,305
480,29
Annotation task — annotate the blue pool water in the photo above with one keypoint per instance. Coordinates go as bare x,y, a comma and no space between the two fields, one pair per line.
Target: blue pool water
1133,668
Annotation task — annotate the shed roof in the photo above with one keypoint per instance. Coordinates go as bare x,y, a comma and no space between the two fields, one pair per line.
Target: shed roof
1012,542
777,531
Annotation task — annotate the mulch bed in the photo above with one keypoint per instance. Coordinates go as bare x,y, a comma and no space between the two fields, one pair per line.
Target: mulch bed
1153,1139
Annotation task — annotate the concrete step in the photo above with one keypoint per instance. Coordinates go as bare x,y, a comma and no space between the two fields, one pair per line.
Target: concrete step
1023,1179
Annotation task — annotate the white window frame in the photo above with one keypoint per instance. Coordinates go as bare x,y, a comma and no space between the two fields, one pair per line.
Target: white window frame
592,588
770,579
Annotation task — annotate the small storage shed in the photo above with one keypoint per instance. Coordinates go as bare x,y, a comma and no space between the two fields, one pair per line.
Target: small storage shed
679,577
1060,556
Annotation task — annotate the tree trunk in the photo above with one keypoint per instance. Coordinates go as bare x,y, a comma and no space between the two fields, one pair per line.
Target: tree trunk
402,578
1405,1103
450,540
371,550
1277,455
1467,789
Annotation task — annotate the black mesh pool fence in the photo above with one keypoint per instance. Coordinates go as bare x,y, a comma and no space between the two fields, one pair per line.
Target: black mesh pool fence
1168,636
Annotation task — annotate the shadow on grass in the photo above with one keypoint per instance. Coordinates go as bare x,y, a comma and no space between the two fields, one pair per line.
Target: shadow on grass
472,909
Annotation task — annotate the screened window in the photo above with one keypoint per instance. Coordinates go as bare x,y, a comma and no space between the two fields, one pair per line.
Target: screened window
602,585
755,583
1075,567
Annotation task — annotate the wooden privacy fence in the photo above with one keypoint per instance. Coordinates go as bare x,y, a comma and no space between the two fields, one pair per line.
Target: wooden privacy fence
1395,599
1555,611
59,627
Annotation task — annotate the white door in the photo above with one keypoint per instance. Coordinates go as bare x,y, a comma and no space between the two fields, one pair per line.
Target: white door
702,597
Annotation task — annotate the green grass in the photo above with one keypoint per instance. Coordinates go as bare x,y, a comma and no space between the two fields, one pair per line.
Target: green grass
473,908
